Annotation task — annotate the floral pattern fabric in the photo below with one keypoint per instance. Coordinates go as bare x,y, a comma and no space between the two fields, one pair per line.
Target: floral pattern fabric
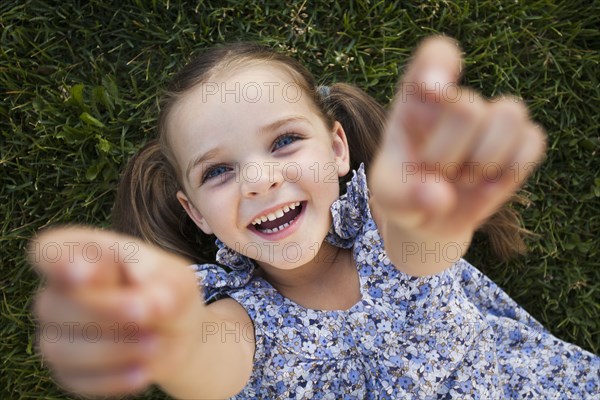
451,335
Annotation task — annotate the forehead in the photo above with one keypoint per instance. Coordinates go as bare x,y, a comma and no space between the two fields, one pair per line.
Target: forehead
231,104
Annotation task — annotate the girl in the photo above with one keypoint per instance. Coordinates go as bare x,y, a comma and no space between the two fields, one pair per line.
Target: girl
360,296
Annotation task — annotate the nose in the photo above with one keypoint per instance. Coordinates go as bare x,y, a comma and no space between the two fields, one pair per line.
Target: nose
258,178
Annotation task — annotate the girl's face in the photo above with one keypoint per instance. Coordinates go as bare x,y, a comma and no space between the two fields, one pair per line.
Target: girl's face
250,144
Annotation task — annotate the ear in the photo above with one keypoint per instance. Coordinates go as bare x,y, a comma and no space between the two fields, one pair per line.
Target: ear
193,213
340,149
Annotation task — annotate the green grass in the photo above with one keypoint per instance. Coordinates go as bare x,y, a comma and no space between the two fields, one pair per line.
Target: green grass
79,79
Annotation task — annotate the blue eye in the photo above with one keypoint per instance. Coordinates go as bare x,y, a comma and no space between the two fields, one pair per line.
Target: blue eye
284,140
213,172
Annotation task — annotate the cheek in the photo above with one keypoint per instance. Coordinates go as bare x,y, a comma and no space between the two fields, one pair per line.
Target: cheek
320,179
215,208
317,164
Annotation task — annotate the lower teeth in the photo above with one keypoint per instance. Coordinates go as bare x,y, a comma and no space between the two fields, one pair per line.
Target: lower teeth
278,228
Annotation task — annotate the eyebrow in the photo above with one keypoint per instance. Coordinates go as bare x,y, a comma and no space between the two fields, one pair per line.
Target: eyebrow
268,128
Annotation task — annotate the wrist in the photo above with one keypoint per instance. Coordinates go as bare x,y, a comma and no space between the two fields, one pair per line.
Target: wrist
420,253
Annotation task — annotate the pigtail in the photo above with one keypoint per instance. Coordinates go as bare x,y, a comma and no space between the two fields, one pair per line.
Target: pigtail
505,230
146,207
364,119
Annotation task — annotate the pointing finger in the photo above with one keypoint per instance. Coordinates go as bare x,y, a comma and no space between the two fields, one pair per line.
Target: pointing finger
436,63
429,84
76,255
70,255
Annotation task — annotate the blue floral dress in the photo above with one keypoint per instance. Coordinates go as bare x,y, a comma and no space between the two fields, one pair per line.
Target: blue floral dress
452,335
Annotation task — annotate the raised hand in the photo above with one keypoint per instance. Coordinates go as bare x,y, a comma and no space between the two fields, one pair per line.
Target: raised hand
449,158
116,314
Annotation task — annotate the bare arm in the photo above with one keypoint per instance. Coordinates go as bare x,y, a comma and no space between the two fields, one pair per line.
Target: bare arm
449,159
221,355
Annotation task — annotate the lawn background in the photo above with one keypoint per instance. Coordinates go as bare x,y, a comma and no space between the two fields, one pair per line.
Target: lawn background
79,80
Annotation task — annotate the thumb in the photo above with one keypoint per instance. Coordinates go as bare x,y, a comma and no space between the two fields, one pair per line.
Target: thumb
163,299
407,192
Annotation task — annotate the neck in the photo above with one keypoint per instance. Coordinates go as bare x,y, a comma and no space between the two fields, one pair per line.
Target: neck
328,281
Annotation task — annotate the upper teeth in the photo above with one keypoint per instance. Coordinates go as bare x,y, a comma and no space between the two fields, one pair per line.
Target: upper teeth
276,214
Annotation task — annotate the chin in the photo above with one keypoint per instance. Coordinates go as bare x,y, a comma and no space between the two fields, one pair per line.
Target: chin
286,264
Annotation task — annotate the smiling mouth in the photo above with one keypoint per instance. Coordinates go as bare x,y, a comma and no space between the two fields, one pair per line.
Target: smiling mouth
280,223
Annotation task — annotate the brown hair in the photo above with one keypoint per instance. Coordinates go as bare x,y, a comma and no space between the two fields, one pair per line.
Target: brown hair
146,205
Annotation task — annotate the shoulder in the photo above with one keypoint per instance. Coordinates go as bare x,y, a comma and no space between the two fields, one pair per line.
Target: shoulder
228,309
